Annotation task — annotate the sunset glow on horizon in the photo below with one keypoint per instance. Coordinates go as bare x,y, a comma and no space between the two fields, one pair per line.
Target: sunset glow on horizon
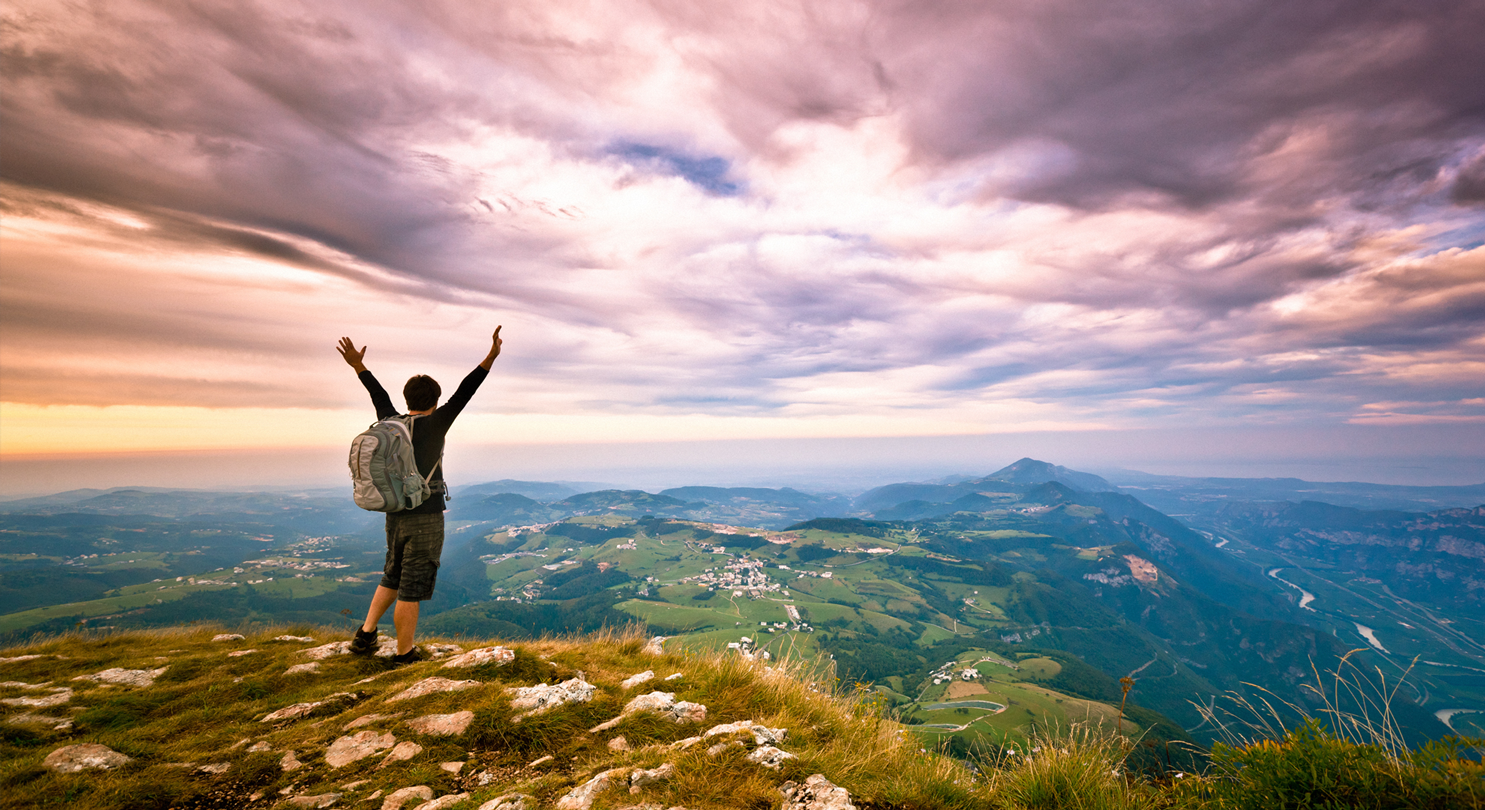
752,221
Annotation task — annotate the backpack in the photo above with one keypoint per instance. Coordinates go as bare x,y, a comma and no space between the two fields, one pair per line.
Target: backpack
384,474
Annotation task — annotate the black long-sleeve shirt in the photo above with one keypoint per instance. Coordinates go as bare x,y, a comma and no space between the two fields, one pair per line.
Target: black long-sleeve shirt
428,431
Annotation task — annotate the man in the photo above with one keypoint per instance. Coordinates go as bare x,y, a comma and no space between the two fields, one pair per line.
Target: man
414,536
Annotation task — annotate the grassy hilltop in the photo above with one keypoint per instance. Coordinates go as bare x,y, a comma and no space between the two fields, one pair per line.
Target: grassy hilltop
195,718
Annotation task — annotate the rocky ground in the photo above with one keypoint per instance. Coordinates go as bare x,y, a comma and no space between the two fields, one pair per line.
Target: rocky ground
203,719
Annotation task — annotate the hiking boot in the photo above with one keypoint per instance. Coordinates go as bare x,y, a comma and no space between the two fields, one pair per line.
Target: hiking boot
410,657
364,643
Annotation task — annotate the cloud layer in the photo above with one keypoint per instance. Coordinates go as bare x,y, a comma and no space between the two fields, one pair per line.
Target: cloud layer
881,217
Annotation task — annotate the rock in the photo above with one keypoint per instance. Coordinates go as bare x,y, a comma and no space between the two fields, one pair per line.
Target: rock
228,637
655,646
368,719
125,677
682,745
360,745
762,735
582,796
56,698
240,653
443,802
322,800
28,719
334,703
641,779
397,798
260,747
541,761
440,650
769,757
83,757
401,752
451,767
635,680
536,699
430,686
300,639
443,724
817,793
216,768
663,703
386,648
289,762
618,744
20,659
355,784
312,666
499,656
24,685
510,801
674,677
721,747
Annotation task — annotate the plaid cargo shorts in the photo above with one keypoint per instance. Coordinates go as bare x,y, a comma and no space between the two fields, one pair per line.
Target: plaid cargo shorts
414,544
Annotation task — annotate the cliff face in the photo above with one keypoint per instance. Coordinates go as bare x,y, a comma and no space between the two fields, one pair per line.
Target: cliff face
198,718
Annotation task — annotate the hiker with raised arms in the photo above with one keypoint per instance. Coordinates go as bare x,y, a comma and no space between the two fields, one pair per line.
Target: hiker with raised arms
414,506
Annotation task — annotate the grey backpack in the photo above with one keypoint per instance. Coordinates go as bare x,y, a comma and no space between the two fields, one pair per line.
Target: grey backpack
384,474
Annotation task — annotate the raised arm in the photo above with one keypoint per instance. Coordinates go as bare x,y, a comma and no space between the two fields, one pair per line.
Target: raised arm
379,398
489,360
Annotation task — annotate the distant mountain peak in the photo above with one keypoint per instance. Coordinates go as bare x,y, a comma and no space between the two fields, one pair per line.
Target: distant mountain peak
1032,471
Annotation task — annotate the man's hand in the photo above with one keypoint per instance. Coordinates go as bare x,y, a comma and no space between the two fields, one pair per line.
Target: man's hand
353,357
495,343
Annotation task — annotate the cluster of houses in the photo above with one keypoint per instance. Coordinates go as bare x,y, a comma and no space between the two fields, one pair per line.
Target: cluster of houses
744,577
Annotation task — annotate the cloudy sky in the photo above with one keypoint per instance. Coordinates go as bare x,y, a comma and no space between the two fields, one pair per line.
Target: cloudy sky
743,221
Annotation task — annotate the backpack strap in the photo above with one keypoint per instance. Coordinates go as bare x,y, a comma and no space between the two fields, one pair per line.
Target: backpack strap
429,478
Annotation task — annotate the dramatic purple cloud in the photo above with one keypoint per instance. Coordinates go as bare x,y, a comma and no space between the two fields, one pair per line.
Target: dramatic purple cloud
828,218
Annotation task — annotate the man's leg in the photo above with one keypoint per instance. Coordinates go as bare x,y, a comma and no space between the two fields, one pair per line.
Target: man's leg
406,619
380,601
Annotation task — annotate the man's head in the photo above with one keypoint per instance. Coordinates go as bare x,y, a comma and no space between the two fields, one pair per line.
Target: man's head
421,393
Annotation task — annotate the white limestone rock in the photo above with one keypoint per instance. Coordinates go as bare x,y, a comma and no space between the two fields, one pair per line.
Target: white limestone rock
664,704
640,779
674,676
769,757
56,698
124,677
430,686
510,801
228,637
300,639
582,796
215,768
618,744
335,702
240,653
443,802
635,680
442,724
451,767
655,646
28,719
762,735
397,798
288,762
817,793
298,669
314,802
401,752
439,650
84,757
360,745
499,656
260,747
368,719
536,699
18,659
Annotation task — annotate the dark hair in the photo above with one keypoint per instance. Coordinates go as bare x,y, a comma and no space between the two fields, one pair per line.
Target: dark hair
421,393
